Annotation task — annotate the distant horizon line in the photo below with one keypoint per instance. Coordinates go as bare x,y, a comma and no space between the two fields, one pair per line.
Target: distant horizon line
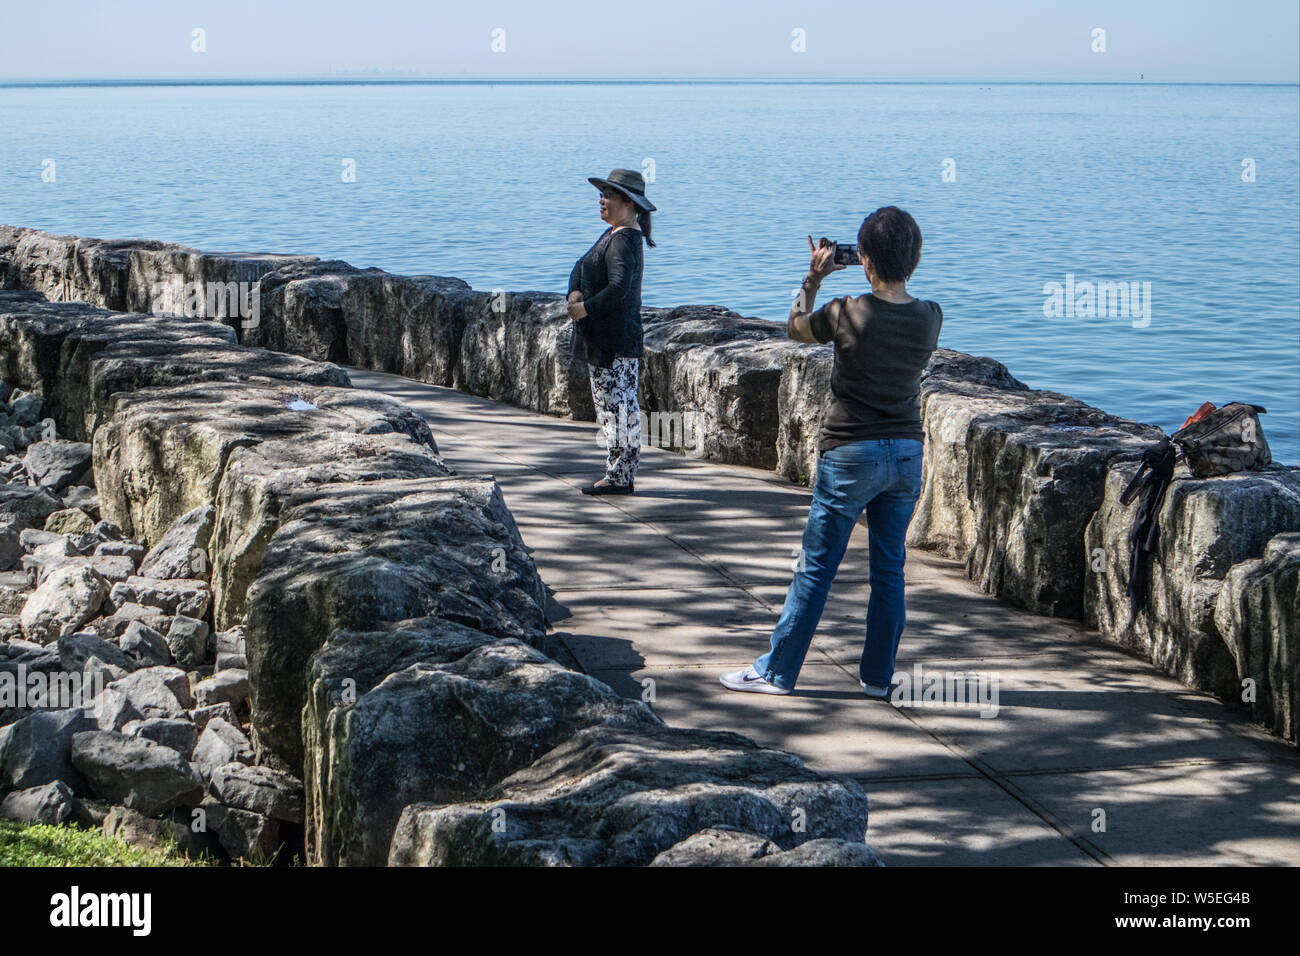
556,81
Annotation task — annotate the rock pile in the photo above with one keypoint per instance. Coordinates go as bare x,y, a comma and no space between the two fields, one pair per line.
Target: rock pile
297,623
138,722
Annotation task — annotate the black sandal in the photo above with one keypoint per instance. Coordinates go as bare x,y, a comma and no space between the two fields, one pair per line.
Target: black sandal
595,489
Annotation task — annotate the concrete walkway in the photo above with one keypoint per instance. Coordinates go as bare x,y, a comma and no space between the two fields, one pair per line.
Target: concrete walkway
686,578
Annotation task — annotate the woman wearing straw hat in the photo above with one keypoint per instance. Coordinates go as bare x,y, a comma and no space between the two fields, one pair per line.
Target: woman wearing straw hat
605,304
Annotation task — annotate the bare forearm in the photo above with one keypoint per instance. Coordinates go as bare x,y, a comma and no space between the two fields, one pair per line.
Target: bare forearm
796,326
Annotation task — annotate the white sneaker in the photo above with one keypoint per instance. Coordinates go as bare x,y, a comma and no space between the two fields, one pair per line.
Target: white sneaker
871,690
750,680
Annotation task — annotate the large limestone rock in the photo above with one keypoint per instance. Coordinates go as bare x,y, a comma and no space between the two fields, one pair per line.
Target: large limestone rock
302,311
1207,528
360,555
516,347
140,275
719,847
480,708
411,325
195,429
614,797
721,369
802,398
1034,479
956,390
79,356
261,484
1258,614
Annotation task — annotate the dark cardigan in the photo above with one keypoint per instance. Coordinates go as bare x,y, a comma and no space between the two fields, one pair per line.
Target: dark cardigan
609,278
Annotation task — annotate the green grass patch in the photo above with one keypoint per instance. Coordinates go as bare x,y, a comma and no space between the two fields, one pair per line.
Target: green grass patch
23,844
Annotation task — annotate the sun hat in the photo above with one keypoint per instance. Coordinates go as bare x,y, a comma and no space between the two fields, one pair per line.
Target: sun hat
629,183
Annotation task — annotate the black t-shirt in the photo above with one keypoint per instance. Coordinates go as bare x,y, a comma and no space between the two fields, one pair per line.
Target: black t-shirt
881,349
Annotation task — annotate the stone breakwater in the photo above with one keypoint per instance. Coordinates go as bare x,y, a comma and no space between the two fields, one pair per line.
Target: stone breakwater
1021,484
240,590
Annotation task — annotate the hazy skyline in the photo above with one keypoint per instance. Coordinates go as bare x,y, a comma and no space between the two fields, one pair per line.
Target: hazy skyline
936,40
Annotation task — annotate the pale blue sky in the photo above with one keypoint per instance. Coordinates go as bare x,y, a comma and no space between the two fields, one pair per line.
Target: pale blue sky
971,40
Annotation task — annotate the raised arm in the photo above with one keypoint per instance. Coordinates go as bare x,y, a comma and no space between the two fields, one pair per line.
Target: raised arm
798,326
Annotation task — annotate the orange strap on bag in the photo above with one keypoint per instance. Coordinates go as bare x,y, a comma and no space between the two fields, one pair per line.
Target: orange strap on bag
1198,415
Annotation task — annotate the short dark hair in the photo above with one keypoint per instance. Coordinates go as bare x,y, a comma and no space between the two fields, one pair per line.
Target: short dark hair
891,239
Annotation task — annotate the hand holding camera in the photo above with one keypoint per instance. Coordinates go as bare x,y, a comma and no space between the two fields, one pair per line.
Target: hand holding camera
828,257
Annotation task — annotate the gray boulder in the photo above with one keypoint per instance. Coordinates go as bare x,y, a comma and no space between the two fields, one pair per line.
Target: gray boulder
29,507
116,624
226,686
220,743
58,465
157,692
113,710
1258,614
174,831
187,639
242,833
718,847
365,554
480,709
619,797
37,749
142,643
179,735
51,804
135,772
182,551
27,409
76,649
201,715
271,793
11,549
186,596
63,602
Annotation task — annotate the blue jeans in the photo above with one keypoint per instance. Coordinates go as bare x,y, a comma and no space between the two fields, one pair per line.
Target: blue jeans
883,476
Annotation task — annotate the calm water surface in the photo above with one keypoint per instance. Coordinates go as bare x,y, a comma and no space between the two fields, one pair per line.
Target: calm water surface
1126,183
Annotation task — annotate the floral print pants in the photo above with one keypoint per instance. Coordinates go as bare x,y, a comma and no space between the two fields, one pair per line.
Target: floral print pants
614,392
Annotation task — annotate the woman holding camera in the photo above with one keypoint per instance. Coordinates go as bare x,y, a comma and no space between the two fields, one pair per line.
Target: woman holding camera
870,449
605,305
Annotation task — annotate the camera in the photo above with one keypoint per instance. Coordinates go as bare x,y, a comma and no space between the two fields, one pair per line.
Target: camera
846,254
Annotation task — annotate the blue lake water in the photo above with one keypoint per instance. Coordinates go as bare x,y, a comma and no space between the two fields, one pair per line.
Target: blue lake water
1102,183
